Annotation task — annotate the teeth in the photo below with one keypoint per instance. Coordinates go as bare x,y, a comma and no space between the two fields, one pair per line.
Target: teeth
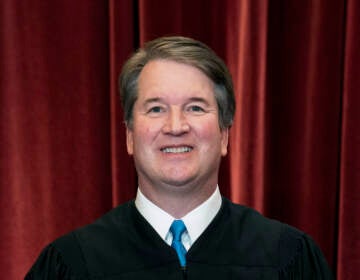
177,150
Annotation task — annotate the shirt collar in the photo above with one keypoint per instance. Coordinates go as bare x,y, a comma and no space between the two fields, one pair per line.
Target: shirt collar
196,221
156,217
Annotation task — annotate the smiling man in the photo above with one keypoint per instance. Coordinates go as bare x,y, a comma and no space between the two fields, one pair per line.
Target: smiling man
179,105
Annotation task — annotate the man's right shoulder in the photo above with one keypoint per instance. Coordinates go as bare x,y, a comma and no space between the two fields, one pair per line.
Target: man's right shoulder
110,225
116,221
74,250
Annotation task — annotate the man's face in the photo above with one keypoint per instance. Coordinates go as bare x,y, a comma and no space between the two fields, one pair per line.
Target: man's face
176,139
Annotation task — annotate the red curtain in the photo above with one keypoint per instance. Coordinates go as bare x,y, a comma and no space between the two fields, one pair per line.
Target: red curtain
295,143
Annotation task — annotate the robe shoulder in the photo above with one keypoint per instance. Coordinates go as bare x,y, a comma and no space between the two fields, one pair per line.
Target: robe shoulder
253,240
61,259
65,258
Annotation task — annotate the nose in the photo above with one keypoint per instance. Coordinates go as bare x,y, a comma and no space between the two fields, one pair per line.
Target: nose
176,122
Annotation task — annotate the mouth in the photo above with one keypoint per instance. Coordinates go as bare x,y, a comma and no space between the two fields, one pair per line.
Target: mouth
177,150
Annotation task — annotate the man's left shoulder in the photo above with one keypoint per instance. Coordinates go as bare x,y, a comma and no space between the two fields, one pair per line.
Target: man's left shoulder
248,220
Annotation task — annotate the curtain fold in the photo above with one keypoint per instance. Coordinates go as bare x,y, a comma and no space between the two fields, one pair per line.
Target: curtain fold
54,124
294,146
246,37
121,25
348,258
304,93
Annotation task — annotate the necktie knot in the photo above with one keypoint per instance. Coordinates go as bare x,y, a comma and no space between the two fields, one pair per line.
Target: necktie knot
177,228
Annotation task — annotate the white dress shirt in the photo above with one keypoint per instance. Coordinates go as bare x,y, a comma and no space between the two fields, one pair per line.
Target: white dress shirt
195,221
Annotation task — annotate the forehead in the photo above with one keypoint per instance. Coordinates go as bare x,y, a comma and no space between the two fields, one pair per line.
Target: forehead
167,78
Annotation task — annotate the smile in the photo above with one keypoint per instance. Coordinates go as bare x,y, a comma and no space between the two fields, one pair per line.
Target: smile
177,150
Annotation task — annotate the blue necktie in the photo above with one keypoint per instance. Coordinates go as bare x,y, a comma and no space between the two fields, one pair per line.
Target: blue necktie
177,228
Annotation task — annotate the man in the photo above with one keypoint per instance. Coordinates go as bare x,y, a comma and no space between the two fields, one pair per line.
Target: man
179,104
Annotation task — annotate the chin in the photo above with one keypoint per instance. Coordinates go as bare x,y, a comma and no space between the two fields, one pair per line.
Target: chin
178,182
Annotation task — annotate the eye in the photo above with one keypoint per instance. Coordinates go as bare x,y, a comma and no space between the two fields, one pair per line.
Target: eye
155,109
196,109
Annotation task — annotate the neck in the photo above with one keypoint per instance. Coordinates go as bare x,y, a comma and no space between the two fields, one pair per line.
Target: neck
178,201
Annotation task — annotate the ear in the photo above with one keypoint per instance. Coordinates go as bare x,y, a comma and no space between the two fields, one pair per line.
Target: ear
224,141
129,141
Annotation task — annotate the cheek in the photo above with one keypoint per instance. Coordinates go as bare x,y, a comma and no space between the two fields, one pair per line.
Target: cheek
151,128
208,131
145,133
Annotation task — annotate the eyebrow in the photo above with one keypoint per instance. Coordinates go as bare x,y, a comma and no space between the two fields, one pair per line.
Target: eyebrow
154,99
192,99
199,99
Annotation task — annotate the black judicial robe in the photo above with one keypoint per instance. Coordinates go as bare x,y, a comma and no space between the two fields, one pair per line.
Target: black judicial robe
238,244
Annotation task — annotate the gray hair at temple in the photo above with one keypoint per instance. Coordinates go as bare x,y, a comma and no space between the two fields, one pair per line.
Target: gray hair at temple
182,50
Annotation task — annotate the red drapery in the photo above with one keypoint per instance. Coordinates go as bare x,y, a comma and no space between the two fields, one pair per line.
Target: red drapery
295,143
